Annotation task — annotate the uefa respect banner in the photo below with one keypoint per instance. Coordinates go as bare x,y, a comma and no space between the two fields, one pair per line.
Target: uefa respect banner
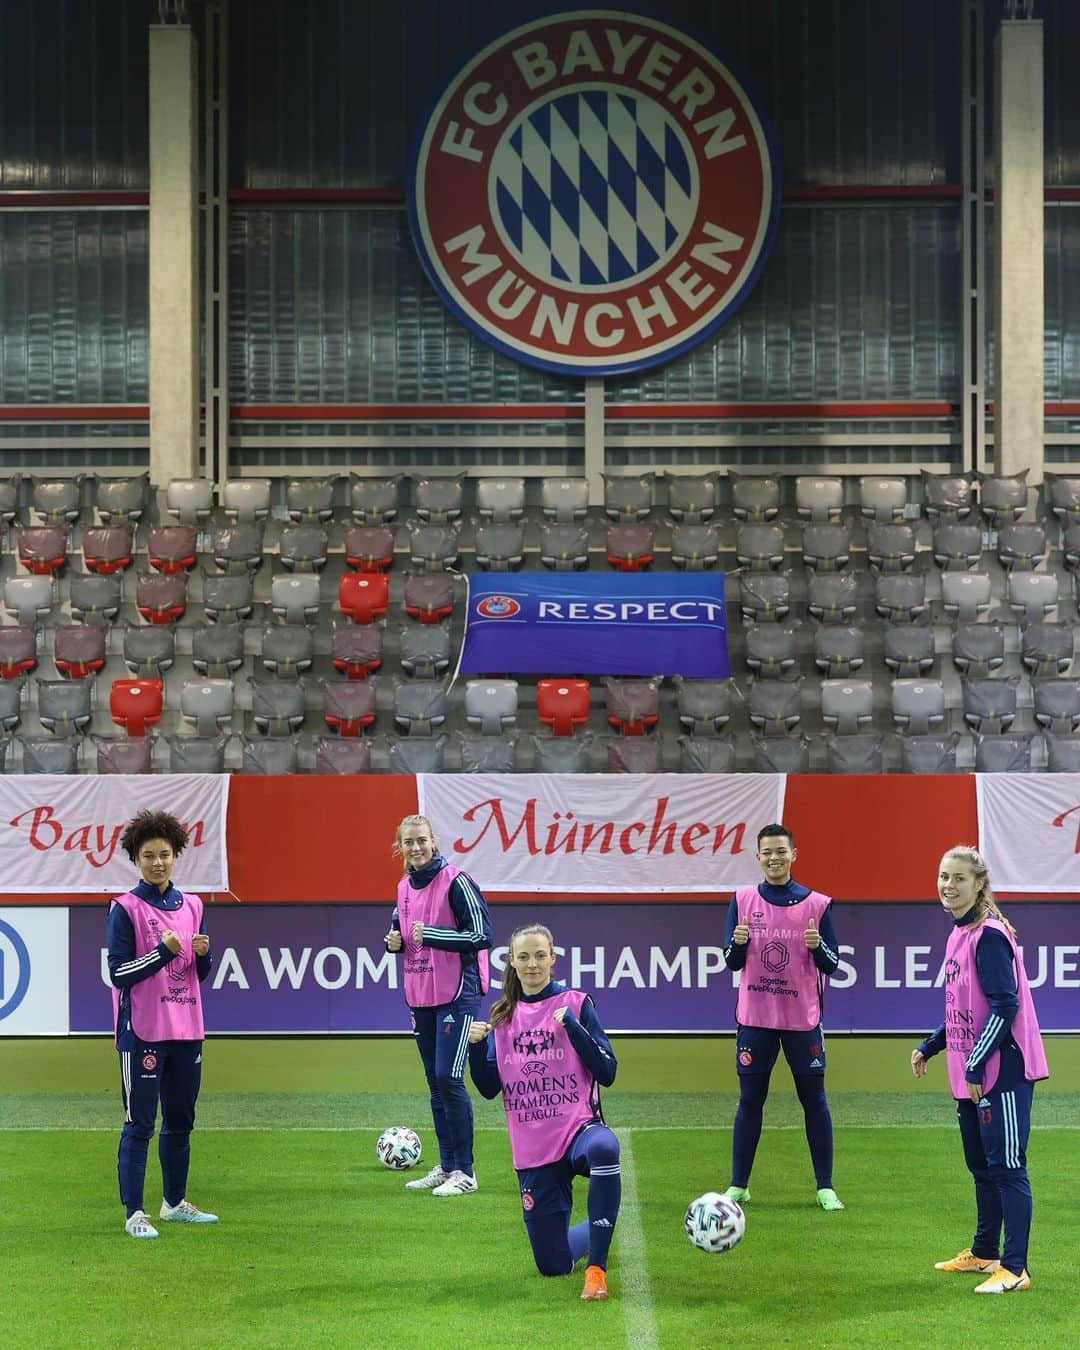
576,623
649,833
61,834
1029,831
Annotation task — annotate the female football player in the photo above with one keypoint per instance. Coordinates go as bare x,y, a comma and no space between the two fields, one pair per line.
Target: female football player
442,927
158,959
994,1056
547,1054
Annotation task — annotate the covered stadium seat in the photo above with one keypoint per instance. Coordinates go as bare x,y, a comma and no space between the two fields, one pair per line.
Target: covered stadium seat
759,548
122,501
692,497
197,754
901,598
882,499
348,706
754,498
564,500
1047,648
907,650
500,500
1003,754
64,706
1022,547
775,706
58,501
1057,705
287,650
847,706
125,754
562,754
487,754
634,756
633,706
277,756
832,597
107,548
217,649
18,652
352,755
10,497
277,706
1063,497
838,650
965,595
136,704
439,499
819,499
429,598
172,548
356,650
433,547
92,598
855,754
363,596
630,545
772,650
43,549
207,704
978,648
1033,596
1002,497
499,547
947,496
246,500
890,548
424,649
562,705
826,548
957,546
706,754
369,548
41,754
190,500
10,704
303,548
765,597
161,597
564,546
491,705
695,548
295,599
233,547
781,754
149,652
373,500
1063,754
78,650
934,753
1070,547
420,706
228,599
918,705
990,704
628,497
310,501
417,754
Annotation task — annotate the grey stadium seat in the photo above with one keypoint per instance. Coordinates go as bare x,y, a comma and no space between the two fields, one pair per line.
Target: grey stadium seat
704,706
10,493
228,599
64,706
1070,546
500,500
965,595
564,500
826,548
781,754
640,754
487,754
847,706
277,706
1063,497
295,598
775,706
833,597
1047,648
1002,498
429,597
420,706
439,499
1057,706
946,496
417,754
190,500
10,704
172,547
217,649
978,648
500,547
197,754
57,500
287,650
957,546
303,548
94,599
1002,754
929,754
491,705
990,705
765,597
772,651
564,547
918,706
121,754
149,652
908,651
1032,595
760,548
753,498
695,548
901,598
121,501
237,546
373,500
629,496
278,756
1062,754
246,500
424,649
30,599
369,548
855,754
208,704
882,499
890,548
310,501
432,547
838,650
1022,546
45,755
562,754
692,497
819,499
706,754
335,755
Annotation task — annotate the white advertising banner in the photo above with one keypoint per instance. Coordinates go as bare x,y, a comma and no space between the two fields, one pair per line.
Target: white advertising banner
1029,831
33,972
61,833
620,833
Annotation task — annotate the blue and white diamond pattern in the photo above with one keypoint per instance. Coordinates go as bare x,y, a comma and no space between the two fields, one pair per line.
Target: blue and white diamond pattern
593,187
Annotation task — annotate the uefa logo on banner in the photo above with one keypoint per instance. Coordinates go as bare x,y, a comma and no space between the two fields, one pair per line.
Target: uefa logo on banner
594,193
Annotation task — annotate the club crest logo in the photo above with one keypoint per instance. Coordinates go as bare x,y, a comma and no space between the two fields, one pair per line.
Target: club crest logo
498,607
594,193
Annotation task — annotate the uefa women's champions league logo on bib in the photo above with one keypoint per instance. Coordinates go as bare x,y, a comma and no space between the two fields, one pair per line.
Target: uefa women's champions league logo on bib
594,193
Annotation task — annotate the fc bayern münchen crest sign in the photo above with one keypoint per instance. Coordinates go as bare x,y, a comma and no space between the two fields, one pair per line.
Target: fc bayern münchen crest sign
594,193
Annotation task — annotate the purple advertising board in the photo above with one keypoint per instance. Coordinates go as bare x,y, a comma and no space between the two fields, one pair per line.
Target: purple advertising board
283,969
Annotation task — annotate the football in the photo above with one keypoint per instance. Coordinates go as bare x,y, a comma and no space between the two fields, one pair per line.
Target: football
399,1148
714,1222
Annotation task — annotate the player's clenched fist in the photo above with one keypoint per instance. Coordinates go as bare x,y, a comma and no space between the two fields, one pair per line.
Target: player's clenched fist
478,1031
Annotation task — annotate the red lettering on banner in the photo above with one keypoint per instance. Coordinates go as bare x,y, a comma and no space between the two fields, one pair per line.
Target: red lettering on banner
1059,821
39,817
98,842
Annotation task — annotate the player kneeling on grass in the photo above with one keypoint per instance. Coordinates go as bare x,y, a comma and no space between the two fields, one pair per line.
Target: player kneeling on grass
994,1055
548,1055
158,958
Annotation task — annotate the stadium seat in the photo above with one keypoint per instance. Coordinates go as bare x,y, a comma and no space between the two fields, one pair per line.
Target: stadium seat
907,650
121,501
432,547
426,754
826,548
946,496
487,754
990,705
1070,546
190,500
882,499
18,652
890,548
1047,648
1022,547
45,755
234,547
901,598
5,748
107,549
277,756
1062,754
500,500
633,706
772,651
978,648
10,704
765,597
499,547
295,599
754,499
373,500
855,754
369,548
43,549
303,548
420,706
208,705
695,548
429,598
356,650
781,754
336,756
247,500
149,652
58,501
1032,595
965,595
564,547
439,500
217,649
692,497
1002,498
172,548
64,706
564,500
287,650
348,706
93,599
759,548
136,704
628,497
228,599
918,706
833,597
1057,705
10,491
125,754
161,597
957,546
838,650
629,545
197,754
562,705
562,754
363,596
706,754
491,705
1003,754
704,706
424,650
1063,498
277,706
929,754
78,650
775,706
634,756
310,501
819,499
847,706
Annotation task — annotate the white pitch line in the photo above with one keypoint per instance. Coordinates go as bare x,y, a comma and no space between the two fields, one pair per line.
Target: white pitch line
479,1129
636,1297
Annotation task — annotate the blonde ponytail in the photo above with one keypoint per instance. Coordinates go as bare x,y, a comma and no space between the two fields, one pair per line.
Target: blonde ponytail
985,904
503,1011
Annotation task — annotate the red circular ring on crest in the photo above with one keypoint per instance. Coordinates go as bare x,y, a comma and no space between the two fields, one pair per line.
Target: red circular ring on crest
498,607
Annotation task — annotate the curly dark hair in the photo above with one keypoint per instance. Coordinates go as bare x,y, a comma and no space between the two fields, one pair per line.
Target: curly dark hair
146,825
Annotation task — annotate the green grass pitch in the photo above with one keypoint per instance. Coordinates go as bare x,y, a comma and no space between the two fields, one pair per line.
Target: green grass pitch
321,1246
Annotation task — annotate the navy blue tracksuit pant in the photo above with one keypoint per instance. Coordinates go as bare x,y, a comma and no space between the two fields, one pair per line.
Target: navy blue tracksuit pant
442,1037
169,1072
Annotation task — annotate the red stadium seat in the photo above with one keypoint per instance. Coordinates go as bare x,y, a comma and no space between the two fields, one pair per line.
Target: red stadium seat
161,597
429,597
172,548
107,549
18,652
369,548
364,596
42,549
562,705
136,704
